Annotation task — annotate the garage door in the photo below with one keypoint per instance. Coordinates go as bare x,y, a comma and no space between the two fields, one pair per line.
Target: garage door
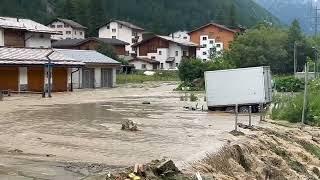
88,78
59,79
35,79
106,77
9,78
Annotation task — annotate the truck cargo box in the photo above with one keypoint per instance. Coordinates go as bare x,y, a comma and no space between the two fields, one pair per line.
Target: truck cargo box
245,86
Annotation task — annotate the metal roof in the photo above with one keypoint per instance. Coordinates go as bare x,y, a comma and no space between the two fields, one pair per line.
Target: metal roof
124,23
87,56
25,24
178,41
76,42
34,56
69,22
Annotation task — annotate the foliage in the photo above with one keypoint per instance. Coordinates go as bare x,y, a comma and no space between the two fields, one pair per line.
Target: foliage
108,50
153,15
193,97
266,45
191,69
139,77
288,84
289,107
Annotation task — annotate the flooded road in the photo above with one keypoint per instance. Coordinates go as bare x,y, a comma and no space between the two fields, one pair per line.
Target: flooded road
73,135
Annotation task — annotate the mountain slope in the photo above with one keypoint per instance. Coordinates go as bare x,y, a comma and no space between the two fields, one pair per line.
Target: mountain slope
161,16
287,11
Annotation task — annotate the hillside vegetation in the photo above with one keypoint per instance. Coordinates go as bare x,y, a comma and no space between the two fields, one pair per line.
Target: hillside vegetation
161,16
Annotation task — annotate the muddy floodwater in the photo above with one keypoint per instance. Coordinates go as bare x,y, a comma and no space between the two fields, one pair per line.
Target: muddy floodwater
76,134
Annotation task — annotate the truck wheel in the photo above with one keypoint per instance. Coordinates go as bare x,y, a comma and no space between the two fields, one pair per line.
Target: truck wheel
244,109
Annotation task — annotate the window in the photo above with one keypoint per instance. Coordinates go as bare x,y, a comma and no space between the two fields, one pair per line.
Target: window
53,26
81,33
134,40
120,26
68,32
59,26
114,30
185,53
177,64
204,53
134,33
218,45
75,32
161,65
114,37
153,57
211,42
204,45
108,26
185,37
66,26
143,66
177,53
204,38
160,52
134,49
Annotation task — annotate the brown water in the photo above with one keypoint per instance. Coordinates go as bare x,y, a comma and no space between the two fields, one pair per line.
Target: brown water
61,140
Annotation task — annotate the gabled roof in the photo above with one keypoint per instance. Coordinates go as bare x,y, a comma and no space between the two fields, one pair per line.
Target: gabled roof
147,60
87,56
178,41
124,23
76,42
213,24
25,24
70,23
33,56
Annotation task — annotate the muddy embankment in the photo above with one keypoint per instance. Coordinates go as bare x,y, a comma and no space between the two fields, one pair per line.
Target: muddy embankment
276,152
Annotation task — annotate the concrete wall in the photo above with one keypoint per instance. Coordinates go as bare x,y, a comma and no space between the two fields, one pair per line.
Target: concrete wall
122,33
37,40
75,33
1,37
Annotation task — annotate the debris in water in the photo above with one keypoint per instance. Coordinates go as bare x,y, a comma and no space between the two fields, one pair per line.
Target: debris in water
129,126
236,133
15,151
146,102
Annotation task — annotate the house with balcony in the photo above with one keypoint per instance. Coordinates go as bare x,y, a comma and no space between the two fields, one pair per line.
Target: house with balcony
68,29
213,39
123,31
162,52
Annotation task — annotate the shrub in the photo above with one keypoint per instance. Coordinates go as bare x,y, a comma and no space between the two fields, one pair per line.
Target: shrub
288,84
139,77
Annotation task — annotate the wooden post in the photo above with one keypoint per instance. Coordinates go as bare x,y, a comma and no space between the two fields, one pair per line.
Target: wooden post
236,118
250,111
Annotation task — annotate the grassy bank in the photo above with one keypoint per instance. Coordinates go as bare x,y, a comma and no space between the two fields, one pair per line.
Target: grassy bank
139,77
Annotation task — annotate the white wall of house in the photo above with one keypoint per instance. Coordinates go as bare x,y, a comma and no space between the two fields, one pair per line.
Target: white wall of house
67,31
181,35
1,37
207,46
139,65
118,31
37,40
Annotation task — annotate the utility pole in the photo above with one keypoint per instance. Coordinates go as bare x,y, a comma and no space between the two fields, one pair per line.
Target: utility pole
305,96
295,58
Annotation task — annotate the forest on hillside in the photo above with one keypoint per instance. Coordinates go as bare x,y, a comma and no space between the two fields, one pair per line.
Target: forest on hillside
160,16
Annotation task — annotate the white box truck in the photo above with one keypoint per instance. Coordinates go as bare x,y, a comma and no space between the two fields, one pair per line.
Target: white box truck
243,87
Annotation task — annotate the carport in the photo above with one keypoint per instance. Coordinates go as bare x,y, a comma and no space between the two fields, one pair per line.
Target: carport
26,70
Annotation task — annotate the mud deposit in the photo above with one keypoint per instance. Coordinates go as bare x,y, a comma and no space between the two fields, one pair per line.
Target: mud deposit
74,135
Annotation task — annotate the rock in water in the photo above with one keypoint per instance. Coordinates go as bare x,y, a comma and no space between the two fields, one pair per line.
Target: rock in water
146,102
167,167
129,126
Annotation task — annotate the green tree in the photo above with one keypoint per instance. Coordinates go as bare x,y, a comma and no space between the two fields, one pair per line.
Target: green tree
261,46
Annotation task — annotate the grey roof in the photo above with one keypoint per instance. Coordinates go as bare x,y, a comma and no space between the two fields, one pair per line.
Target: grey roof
66,43
76,42
25,24
124,23
151,61
32,56
70,22
87,56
